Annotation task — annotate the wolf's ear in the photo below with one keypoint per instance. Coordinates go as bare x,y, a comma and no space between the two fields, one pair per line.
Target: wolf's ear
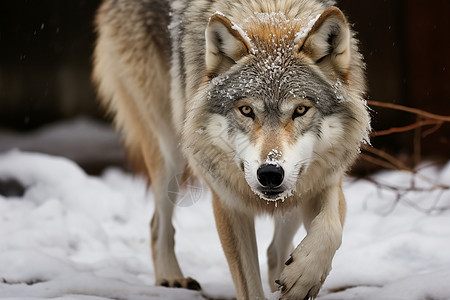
328,42
226,43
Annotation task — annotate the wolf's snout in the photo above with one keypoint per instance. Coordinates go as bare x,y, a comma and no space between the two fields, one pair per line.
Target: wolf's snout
270,176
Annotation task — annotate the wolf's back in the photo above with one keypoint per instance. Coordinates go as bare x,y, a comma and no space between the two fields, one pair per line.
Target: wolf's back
131,66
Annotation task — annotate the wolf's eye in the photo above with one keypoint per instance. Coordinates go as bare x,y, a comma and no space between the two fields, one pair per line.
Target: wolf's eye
300,111
247,111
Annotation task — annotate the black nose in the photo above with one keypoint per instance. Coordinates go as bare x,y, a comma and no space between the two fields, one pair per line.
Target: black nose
270,176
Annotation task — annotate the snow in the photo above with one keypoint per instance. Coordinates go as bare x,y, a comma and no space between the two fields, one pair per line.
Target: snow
242,33
75,236
273,157
236,27
299,36
88,142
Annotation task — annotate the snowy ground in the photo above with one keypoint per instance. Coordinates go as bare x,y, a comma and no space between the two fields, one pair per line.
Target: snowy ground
74,236
91,144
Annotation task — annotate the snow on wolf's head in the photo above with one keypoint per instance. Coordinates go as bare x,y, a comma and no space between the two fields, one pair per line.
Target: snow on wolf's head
284,97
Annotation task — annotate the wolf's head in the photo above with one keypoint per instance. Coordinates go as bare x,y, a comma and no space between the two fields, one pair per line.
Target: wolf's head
284,98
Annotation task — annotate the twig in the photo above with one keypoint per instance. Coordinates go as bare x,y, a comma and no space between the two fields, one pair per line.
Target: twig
401,192
416,111
399,165
378,162
385,160
408,127
426,120
432,130
409,188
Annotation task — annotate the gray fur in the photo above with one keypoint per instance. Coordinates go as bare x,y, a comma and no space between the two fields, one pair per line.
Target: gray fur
296,81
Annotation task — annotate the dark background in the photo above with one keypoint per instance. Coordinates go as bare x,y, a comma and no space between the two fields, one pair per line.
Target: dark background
46,48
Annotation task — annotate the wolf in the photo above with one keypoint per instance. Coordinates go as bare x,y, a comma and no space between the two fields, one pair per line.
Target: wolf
261,99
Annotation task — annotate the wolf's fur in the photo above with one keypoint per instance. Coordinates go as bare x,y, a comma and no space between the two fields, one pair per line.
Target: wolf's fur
226,79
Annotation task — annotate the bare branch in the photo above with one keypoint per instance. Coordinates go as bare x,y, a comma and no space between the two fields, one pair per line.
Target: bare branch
399,165
408,127
378,162
416,111
432,130
385,160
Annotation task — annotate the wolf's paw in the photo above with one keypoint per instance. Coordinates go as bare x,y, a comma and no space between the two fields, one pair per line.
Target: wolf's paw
302,277
187,283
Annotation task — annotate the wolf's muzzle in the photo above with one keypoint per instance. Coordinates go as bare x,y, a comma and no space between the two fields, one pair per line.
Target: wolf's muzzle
270,176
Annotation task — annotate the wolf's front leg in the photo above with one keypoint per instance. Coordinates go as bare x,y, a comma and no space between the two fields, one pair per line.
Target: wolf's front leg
310,263
162,170
237,235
